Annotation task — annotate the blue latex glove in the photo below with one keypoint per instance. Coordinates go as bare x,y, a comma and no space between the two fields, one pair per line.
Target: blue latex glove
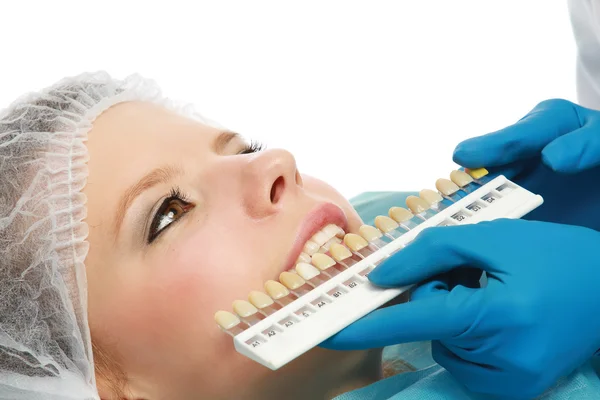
535,321
554,151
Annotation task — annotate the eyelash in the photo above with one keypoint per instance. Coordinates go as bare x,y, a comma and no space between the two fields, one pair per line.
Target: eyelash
176,195
253,147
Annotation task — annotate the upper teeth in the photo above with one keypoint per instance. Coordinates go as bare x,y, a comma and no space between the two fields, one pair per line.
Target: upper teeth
303,258
311,247
320,238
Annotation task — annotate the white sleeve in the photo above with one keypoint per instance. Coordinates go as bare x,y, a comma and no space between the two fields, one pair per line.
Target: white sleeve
585,20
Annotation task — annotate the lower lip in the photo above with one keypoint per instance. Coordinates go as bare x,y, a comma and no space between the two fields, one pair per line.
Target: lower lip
320,217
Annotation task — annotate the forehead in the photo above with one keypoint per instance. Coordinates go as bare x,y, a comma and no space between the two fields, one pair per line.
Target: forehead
137,136
139,118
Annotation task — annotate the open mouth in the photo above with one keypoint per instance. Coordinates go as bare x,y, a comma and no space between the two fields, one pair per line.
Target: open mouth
320,242
322,227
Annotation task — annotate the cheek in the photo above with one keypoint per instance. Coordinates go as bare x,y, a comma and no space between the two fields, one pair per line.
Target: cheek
201,272
196,276
168,304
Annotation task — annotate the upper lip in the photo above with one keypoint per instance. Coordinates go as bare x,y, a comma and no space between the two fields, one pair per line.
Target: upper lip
319,217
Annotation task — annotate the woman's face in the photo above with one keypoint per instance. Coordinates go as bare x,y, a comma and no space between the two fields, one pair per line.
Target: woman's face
184,219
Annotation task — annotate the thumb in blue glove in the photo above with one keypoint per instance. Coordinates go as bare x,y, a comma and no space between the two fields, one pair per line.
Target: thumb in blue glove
534,322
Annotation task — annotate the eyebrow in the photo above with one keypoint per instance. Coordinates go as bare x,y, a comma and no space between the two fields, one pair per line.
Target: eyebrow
223,140
162,175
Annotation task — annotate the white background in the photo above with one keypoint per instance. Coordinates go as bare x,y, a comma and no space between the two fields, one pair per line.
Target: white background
368,95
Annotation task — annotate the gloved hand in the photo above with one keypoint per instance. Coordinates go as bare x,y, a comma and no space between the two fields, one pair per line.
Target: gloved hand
554,151
536,320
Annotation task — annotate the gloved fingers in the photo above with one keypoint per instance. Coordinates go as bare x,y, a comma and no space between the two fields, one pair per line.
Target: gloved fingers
546,122
428,289
434,251
476,378
443,283
434,315
574,152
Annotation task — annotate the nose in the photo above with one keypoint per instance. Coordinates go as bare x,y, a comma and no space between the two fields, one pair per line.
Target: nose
269,177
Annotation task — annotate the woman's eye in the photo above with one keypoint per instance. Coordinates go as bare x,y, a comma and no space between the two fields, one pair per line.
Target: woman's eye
253,147
170,211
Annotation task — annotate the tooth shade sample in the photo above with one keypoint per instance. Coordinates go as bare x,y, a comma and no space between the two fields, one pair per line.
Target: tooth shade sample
279,293
430,196
386,224
303,258
326,264
307,271
229,323
243,308
477,173
358,245
295,283
461,178
370,233
263,302
311,274
276,290
339,252
290,280
311,248
343,256
226,320
355,242
322,261
446,187
247,312
259,299
398,214
416,204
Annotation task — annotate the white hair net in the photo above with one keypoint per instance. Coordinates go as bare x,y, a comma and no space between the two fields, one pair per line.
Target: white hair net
45,346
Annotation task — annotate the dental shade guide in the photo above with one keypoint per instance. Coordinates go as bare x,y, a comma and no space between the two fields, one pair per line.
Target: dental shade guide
340,292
